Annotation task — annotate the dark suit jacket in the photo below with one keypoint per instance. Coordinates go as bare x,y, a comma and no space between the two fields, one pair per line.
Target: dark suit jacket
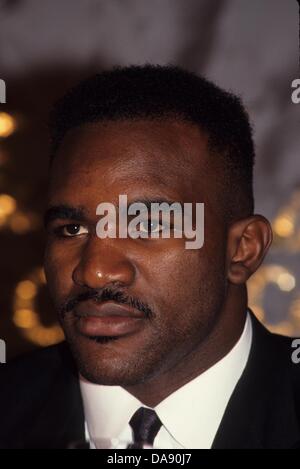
41,406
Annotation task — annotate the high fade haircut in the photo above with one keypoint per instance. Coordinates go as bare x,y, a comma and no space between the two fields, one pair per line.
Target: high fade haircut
169,92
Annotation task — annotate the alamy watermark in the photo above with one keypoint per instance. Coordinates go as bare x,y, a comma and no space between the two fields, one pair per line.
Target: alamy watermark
295,96
296,92
2,101
296,352
2,351
152,220
2,91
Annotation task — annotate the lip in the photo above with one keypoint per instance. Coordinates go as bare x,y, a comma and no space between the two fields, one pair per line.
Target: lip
107,319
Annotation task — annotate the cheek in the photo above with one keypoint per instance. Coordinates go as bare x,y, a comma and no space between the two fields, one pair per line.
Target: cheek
188,283
58,270
173,274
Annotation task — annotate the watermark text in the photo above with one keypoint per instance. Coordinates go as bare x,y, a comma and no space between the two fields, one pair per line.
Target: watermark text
2,91
152,220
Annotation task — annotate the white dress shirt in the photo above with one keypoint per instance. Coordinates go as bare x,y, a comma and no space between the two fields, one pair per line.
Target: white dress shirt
190,416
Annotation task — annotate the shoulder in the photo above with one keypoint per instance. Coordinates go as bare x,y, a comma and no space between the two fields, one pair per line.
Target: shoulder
35,392
274,344
283,354
40,362
31,376
275,354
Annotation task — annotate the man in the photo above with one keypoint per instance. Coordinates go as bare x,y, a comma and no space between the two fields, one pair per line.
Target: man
164,351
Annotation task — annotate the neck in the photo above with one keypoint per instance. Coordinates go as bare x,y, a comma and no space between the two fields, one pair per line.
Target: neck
222,338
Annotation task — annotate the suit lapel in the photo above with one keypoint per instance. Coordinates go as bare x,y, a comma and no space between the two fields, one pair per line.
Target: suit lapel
261,411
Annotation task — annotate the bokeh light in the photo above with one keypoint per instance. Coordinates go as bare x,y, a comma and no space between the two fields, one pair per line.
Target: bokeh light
8,124
8,205
25,316
26,290
286,281
21,223
284,225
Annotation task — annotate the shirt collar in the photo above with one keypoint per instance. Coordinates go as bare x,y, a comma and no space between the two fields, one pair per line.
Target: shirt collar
107,409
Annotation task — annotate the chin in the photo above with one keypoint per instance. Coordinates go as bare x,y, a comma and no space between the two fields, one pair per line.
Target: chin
114,373
104,362
106,377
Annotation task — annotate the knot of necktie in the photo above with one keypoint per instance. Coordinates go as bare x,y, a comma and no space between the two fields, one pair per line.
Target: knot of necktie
145,425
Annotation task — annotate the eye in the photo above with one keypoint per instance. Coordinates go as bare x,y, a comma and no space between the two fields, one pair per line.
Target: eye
151,226
71,230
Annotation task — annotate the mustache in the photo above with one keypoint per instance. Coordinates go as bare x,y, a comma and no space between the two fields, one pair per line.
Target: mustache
105,294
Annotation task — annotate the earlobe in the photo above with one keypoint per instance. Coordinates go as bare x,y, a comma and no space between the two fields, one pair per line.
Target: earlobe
248,242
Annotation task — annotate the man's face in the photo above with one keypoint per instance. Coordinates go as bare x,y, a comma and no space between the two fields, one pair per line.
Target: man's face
158,301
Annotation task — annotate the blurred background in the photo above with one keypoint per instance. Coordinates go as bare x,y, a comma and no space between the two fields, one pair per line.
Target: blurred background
46,46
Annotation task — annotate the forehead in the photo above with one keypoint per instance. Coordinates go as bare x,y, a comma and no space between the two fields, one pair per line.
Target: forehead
142,157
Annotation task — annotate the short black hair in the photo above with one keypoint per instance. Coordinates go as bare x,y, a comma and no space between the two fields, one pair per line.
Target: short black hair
159,92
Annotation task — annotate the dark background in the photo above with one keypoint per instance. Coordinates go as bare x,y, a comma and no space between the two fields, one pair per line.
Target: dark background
250,48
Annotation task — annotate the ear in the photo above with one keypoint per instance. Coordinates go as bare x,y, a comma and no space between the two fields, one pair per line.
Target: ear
248,242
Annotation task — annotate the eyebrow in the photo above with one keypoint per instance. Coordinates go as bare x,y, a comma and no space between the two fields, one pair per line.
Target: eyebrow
64,212
67,212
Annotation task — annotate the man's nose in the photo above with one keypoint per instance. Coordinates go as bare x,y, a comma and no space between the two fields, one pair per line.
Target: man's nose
103,263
